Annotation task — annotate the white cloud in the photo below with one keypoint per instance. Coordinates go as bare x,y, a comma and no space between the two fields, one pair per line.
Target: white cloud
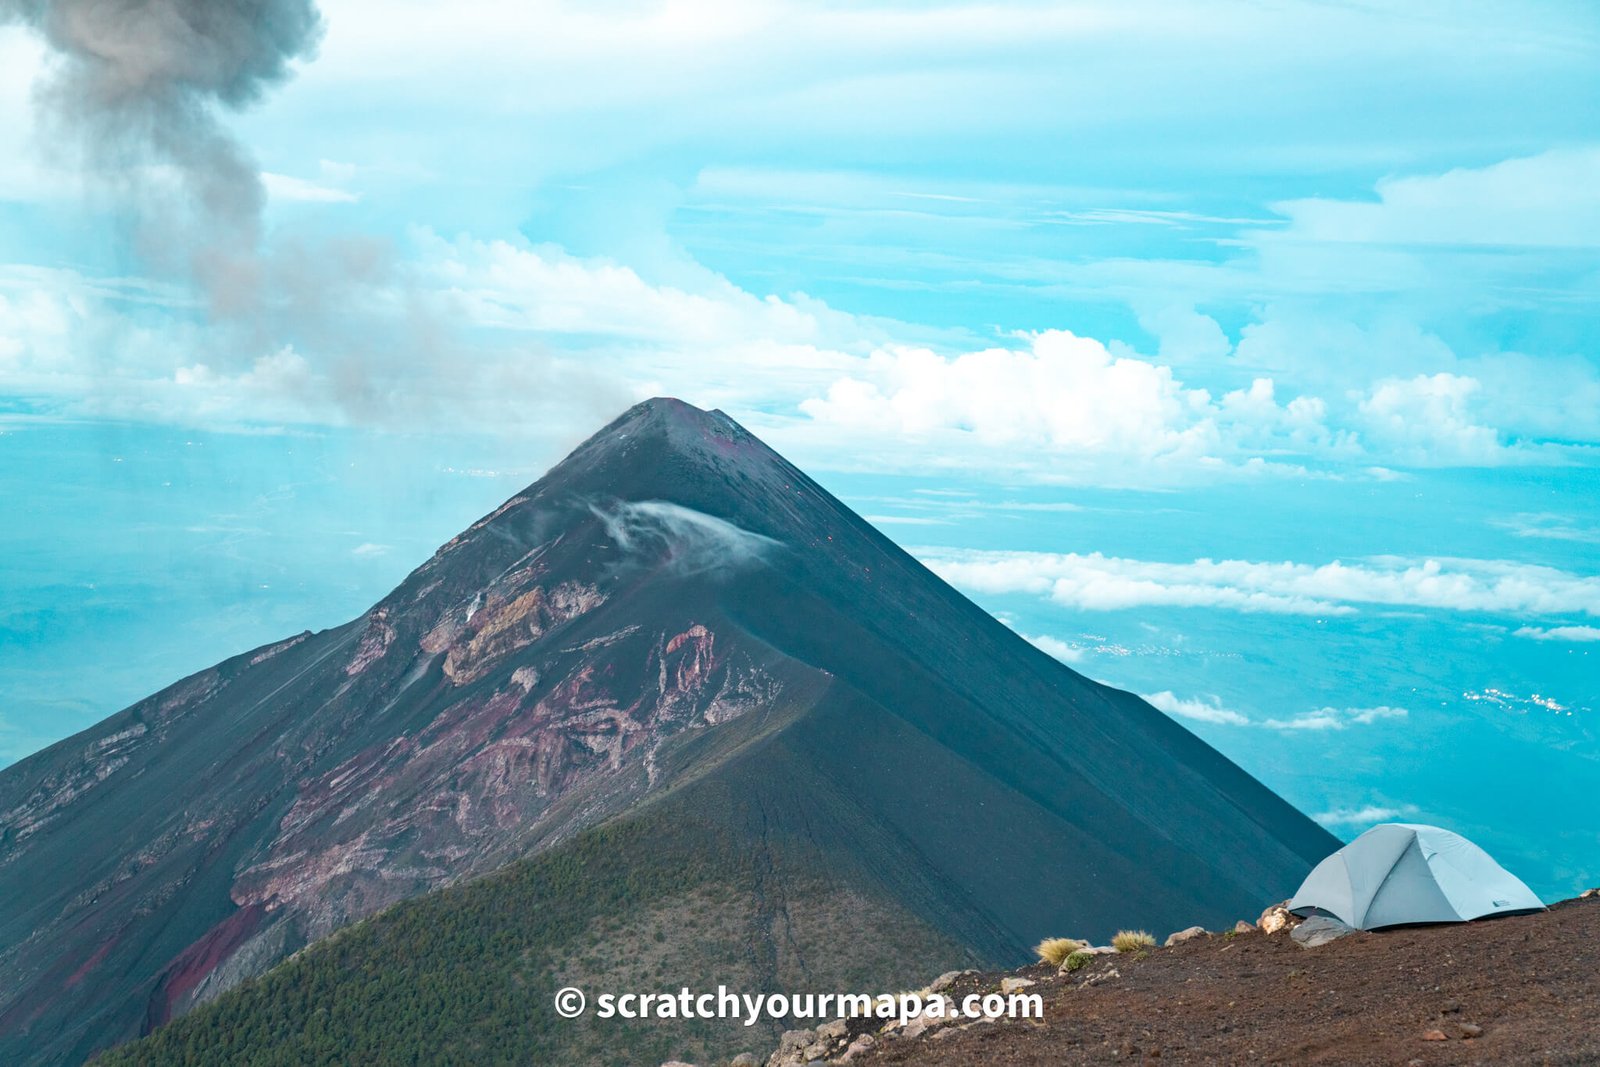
463,331
287,188
1427,420
681,539
1551,200
1060,398
1369,815
906,520
1208,709
368,550
1095,582
1063,392
511,285
1336,718
1561,633
1211,709
1548,526
1304,341
1547,397
1056,647
1184,335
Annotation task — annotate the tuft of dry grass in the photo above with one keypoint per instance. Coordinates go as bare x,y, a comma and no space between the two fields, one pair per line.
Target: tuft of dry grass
1132,940
1053,950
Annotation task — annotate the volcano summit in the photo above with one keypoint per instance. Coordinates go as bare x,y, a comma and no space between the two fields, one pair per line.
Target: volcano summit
710,709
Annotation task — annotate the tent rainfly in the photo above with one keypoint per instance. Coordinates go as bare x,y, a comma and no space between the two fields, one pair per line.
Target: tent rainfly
1401,873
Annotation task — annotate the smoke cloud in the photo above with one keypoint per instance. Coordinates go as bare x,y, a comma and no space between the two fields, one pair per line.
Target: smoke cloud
685,540
315,324
137,87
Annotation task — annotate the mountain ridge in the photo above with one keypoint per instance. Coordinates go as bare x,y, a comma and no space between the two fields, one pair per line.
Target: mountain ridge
672,589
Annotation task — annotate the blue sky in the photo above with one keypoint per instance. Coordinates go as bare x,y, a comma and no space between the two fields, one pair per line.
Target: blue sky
1243,354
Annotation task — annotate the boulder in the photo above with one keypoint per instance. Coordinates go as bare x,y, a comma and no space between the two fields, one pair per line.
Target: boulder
1275,919
1011,985
1589,894
832,1031
858,1048
1244,926
1319,930
1185,935
744,1059
946,980
791,1050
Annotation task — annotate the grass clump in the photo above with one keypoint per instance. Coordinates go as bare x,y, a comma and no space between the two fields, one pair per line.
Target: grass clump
1076,961
1054,950
1132,940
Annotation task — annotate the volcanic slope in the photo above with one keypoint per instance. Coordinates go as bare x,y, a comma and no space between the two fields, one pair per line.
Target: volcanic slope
673,613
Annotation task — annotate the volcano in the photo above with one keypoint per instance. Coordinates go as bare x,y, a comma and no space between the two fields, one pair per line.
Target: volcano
674,631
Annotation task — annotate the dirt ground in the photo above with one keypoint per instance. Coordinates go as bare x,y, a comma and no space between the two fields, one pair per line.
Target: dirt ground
1517,990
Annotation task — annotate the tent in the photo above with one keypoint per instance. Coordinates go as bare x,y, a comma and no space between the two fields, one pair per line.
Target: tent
1401,873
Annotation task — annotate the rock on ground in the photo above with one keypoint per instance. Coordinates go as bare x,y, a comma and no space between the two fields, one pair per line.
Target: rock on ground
1319,930
1185,935
1276,918
947,979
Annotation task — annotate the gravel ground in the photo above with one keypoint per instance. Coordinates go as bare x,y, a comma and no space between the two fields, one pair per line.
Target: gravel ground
1517,990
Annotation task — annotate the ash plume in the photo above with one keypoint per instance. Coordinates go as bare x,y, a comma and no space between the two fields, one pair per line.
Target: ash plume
336,325
138,86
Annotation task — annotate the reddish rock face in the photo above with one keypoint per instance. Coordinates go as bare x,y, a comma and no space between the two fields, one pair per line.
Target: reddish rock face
547,669
468,788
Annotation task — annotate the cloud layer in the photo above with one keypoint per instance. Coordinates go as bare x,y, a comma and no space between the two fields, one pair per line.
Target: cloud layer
970,299
1369,815
1210,709
1096,582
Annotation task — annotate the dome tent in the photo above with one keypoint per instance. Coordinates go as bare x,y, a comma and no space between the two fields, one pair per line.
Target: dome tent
1401,873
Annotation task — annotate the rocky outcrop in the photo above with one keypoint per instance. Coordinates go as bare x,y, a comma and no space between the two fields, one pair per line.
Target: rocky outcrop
455,798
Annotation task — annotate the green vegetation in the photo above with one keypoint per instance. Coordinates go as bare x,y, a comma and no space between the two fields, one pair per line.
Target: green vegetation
465,975
1053,950
652,903
1132,940
1076,961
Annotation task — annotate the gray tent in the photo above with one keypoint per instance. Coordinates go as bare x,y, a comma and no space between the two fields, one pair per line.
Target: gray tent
1402,873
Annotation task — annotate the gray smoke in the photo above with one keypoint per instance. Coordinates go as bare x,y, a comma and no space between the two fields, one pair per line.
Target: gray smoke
138,86
141,89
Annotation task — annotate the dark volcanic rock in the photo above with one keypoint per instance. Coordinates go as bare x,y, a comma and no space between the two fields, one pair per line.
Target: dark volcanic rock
584,648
